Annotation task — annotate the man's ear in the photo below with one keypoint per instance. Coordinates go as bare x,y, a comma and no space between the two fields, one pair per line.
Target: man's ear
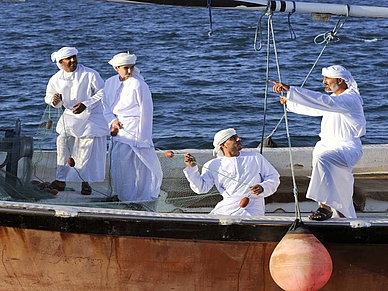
340,81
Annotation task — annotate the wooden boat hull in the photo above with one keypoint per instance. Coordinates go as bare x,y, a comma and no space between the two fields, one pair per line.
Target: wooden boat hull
66,248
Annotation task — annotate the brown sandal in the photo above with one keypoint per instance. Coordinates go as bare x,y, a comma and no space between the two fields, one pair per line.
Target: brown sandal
86,189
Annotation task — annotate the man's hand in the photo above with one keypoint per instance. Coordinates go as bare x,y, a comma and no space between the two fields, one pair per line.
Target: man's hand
56,99
189,160
256,189
78,108
279,87
115,127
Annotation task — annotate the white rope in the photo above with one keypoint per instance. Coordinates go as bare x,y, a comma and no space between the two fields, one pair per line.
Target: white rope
271,33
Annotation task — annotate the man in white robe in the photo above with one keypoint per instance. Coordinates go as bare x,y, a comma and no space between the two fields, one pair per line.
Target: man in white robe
340,148
236,174
82,128
128,108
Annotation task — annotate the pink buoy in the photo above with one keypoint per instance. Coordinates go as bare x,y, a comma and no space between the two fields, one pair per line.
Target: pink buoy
300,262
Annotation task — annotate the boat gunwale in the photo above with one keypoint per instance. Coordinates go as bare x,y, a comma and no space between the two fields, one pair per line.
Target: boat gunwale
129,223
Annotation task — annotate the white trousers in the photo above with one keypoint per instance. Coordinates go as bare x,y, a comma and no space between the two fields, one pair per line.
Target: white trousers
89,155
332,179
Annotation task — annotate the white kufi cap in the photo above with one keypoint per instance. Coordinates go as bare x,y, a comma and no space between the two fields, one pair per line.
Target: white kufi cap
63,53
221,137
123,59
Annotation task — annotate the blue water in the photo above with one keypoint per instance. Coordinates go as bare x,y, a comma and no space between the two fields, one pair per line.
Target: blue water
200,84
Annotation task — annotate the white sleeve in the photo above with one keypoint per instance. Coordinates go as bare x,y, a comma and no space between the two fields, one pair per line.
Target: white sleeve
199,183
270,176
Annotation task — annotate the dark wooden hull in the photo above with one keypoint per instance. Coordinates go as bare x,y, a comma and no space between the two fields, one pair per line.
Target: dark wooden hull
70,249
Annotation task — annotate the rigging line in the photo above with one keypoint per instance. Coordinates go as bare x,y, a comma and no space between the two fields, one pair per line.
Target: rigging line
292,32
328,38
331,36
258,27
260,33
209,4
295,189
269,26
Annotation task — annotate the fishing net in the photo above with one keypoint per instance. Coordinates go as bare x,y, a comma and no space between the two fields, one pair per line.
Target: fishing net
16,153
28,168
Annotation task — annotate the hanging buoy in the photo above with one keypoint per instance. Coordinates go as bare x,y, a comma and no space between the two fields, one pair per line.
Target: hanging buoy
71,162
300,262
49,124
244,202
169,154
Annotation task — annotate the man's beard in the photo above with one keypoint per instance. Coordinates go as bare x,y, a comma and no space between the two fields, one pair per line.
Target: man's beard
332,88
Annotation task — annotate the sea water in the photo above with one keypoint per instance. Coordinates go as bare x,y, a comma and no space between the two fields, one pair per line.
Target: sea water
200,83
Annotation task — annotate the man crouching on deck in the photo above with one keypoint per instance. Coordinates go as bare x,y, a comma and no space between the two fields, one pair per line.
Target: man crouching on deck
340,148
236,174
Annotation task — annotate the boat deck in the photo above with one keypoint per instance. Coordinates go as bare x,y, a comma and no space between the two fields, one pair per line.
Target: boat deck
370,199
370,187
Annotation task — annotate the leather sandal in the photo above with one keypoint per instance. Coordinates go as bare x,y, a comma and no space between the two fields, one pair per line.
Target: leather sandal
321,214
86,189
57,185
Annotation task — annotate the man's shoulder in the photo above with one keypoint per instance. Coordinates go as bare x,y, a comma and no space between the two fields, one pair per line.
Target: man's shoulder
112,79
85,69
56,75
214,161
137,81
350,91
249,153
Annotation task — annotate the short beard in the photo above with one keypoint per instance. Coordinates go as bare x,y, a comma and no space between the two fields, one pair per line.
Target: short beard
332,88
328,90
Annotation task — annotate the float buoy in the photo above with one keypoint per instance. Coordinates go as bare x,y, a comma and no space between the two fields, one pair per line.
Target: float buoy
71,162
169,154
49,124
244,202
300,262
